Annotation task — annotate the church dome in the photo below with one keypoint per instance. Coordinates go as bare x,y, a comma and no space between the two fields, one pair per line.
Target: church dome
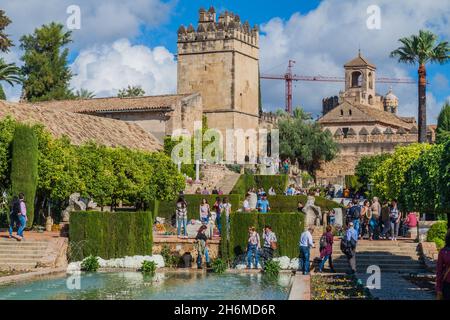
391,99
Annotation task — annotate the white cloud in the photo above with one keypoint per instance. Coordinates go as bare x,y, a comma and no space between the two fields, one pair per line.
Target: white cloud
107,68
322,40
102,21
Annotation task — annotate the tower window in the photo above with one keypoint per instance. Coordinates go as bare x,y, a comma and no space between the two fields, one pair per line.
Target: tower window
370,80
370,99
356,79
342,112
350,112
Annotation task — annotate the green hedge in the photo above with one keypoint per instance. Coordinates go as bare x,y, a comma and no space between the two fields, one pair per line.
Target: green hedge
24,167
287,227
247,181
166,209
437,233
289,203
110,235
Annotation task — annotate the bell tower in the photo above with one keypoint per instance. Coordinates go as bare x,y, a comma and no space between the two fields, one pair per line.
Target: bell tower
360,81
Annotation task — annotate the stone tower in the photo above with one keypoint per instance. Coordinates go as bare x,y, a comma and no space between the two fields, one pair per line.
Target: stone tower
220,60
360,82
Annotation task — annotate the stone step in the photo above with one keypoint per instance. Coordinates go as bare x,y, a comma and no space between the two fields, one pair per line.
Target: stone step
23,251
17,266
20,255
19,260
380,257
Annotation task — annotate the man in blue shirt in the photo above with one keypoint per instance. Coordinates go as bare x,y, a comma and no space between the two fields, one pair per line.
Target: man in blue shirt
263,205
351,238
306,243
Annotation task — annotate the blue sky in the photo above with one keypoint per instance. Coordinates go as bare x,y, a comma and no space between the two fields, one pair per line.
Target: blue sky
125,42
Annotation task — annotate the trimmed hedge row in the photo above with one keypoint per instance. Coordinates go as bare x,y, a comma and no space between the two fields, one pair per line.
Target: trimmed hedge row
166,209
24,167
247,181
110,235
281,203
287,227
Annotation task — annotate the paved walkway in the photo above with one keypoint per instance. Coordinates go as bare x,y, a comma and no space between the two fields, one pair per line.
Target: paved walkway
395,287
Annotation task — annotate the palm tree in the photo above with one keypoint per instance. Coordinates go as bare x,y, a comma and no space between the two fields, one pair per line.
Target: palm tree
84,94
9,73
421,49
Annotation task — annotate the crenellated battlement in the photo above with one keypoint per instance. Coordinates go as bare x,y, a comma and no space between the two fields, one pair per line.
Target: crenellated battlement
228,27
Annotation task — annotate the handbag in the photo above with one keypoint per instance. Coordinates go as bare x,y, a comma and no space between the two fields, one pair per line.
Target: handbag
273,245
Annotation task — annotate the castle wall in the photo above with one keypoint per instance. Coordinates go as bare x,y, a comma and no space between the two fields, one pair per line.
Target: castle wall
352,149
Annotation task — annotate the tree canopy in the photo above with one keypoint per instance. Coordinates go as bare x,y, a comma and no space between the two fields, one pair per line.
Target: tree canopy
443,124
45,68
131,91
304,140
5,41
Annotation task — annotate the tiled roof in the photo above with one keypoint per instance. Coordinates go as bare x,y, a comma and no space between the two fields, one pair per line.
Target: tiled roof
366,114
81,128
359,61
115,104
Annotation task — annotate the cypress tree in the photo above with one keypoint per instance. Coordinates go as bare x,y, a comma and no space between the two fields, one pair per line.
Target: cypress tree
24,167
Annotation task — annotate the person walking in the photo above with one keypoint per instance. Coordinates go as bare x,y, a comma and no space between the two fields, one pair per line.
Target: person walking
443,271
205,211
326,249
225,208
348,247
22,217
270,243
395,217
366,215
263,205
202,247
14,216
376,216
217,209
355,214
305,244
253,247
385,220
181,215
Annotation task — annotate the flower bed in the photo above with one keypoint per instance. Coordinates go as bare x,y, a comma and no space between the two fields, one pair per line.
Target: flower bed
338,287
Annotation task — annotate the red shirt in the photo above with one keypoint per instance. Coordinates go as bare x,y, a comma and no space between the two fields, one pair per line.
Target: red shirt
443,265
411,220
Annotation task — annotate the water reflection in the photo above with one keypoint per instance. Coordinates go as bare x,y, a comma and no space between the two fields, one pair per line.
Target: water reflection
170,286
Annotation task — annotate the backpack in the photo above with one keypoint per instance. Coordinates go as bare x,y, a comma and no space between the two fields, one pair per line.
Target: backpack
355,212
322,242
15,208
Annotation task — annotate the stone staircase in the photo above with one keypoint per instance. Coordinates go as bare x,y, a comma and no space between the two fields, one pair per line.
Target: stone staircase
215,175
391,256
31,254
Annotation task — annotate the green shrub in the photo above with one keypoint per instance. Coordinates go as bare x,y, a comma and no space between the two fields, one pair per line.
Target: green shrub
219,266
247,181
90,264
437,233
170,260
111,235
272,268
166,209
148,267
439,243
24,167
287,227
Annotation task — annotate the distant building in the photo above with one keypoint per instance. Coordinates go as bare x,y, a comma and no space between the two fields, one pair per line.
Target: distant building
362,122
218,76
